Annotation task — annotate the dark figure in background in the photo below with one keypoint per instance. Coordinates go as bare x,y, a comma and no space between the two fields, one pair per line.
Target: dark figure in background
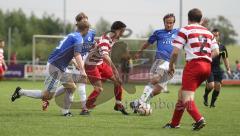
214,81
125,67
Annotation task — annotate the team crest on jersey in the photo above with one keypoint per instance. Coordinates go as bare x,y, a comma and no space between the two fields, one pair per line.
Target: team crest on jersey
89,38
202,39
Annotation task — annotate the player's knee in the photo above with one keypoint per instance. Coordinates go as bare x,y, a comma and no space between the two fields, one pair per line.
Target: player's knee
154,81
98,88
50,96
217,87
210,86
71,86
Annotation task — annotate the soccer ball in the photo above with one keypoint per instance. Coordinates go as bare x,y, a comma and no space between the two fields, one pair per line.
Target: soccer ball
144,109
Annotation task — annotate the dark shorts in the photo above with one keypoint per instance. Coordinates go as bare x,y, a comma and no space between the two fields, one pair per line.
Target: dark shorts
215,76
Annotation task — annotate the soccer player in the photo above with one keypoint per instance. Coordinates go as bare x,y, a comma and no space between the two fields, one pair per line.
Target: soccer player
158,73
99,67
70,47
214,81
200,46
88,43
3,65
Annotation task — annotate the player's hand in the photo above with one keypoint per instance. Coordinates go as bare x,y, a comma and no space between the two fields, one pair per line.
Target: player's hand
84,77
137,55
229,72
171,70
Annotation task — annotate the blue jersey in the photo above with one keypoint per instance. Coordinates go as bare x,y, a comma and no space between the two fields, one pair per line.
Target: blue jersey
88,42
164,40
64,52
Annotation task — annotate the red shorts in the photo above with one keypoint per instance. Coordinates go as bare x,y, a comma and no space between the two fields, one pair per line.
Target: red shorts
98,72
195,72
2,70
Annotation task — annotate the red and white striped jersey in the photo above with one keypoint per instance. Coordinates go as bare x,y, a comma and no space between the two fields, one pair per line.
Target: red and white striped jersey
103,47
1,56
197,41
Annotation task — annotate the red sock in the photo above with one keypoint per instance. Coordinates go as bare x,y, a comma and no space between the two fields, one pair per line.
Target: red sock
92,98
118,92
178,112
193,110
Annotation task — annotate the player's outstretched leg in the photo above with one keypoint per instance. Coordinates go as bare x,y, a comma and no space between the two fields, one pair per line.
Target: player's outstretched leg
145,98
16,94
37,94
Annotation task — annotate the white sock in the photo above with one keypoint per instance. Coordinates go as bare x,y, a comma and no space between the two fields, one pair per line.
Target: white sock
82,94
60,90
37,94
147,94
68,99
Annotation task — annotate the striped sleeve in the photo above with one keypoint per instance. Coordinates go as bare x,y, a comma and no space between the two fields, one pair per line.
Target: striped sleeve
181,38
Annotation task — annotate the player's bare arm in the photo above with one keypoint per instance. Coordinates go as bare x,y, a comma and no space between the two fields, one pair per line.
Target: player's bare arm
145,46
115,71
226,63
173,61
80,63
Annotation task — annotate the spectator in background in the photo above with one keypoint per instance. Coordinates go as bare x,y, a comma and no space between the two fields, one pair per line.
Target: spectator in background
3,66
237,66
125,67
13,59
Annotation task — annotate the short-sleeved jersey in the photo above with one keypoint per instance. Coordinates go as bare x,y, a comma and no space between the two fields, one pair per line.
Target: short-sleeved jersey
197,42
65,51
104,46
164,40
216,60
1,56
88,42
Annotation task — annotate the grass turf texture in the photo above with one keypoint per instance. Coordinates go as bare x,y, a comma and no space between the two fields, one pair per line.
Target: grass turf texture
24,117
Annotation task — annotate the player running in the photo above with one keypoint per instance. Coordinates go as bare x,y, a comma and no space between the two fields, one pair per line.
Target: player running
99,67
158,73
88,43
214,81
70,47
200,46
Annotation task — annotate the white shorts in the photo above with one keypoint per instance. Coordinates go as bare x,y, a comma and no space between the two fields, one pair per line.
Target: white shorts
55,76
159,70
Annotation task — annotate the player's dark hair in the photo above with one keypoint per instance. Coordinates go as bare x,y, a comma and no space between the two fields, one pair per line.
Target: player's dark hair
168,16
195,15
215,30
117,25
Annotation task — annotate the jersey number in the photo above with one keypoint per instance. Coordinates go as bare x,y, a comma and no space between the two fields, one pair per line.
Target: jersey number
203,41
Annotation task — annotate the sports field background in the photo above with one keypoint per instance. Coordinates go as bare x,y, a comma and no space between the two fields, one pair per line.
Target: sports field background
25,118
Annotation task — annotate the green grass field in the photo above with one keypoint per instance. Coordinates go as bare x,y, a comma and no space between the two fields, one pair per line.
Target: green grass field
25,118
